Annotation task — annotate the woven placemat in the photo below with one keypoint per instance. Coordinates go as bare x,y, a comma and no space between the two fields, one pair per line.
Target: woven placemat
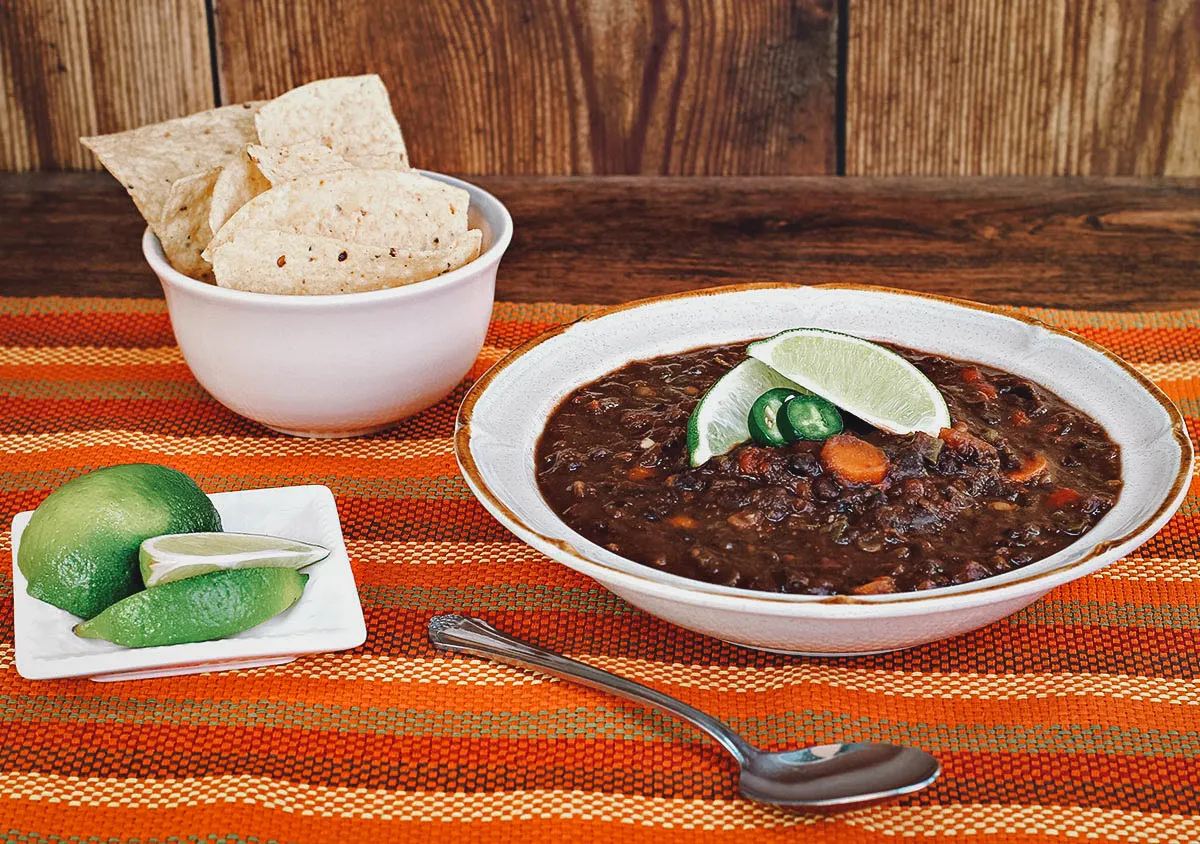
1078,717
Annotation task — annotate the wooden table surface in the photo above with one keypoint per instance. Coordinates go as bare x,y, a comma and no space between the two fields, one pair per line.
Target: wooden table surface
1106,244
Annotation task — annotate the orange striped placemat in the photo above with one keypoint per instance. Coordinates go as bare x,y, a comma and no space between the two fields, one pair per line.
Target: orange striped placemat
1077,718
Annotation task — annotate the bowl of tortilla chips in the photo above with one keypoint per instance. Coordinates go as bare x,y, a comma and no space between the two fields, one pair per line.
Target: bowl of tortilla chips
316,283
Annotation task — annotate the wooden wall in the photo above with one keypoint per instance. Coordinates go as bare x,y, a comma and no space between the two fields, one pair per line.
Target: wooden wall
565,86
682,87
78,67
1023,86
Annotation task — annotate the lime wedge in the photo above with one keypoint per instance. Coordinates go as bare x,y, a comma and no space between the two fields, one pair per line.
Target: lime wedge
179,555
861,377
199,609
721,419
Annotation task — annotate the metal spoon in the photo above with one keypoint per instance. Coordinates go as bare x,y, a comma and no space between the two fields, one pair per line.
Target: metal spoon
826,777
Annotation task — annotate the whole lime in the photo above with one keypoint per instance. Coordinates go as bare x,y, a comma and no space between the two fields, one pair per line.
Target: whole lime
80,549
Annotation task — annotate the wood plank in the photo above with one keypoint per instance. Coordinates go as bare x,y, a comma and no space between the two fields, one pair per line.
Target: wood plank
1079,243
1065,87
81,67
565,86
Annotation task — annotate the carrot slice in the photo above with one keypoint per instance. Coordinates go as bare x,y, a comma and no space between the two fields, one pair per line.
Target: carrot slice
1032,467
683,522
640,473
1061,497
853,460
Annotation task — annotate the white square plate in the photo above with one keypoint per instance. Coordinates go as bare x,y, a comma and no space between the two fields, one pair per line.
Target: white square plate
328,616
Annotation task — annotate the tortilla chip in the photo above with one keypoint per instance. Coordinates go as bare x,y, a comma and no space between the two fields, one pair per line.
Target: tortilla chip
183,228
403,210
240,181
150,159
352,115
307,158
280,262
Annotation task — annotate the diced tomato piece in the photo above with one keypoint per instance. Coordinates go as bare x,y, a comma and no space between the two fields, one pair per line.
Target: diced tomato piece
1020,417
955,438
754,461
1061,497
972,375
640,473
962,441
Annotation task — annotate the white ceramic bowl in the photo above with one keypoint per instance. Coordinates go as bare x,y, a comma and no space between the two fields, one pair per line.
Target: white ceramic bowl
503,415
340,365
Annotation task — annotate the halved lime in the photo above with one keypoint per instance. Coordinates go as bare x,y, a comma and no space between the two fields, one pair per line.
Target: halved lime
861,377
80,550
179,555
720,420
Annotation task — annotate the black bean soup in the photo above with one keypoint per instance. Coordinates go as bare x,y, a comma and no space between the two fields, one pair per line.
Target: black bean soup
1019,476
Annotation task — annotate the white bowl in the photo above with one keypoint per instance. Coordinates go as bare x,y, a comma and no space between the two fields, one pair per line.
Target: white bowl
340,365
503,415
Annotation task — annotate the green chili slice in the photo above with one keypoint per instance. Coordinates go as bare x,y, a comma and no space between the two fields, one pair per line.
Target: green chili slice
809,418
766,414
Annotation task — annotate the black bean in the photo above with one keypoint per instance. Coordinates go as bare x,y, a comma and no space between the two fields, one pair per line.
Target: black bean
805,464
746,519
826,488
1094,505
687,481
795,583
870,542
972,571
1070,522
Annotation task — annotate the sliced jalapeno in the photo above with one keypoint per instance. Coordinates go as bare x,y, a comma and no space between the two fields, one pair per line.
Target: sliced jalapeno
765,416
809,418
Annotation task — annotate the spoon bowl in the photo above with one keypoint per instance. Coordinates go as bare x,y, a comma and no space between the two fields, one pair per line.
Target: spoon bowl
836,776
826,777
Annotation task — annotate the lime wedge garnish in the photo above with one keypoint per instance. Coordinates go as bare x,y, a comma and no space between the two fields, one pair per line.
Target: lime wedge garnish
720,420
179,555
861,377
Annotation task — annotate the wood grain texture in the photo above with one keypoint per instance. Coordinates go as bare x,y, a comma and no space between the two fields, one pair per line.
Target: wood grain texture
564,86
980,87
81,67
1078,243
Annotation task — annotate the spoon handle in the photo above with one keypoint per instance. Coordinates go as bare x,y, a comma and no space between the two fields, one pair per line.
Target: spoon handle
458,634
